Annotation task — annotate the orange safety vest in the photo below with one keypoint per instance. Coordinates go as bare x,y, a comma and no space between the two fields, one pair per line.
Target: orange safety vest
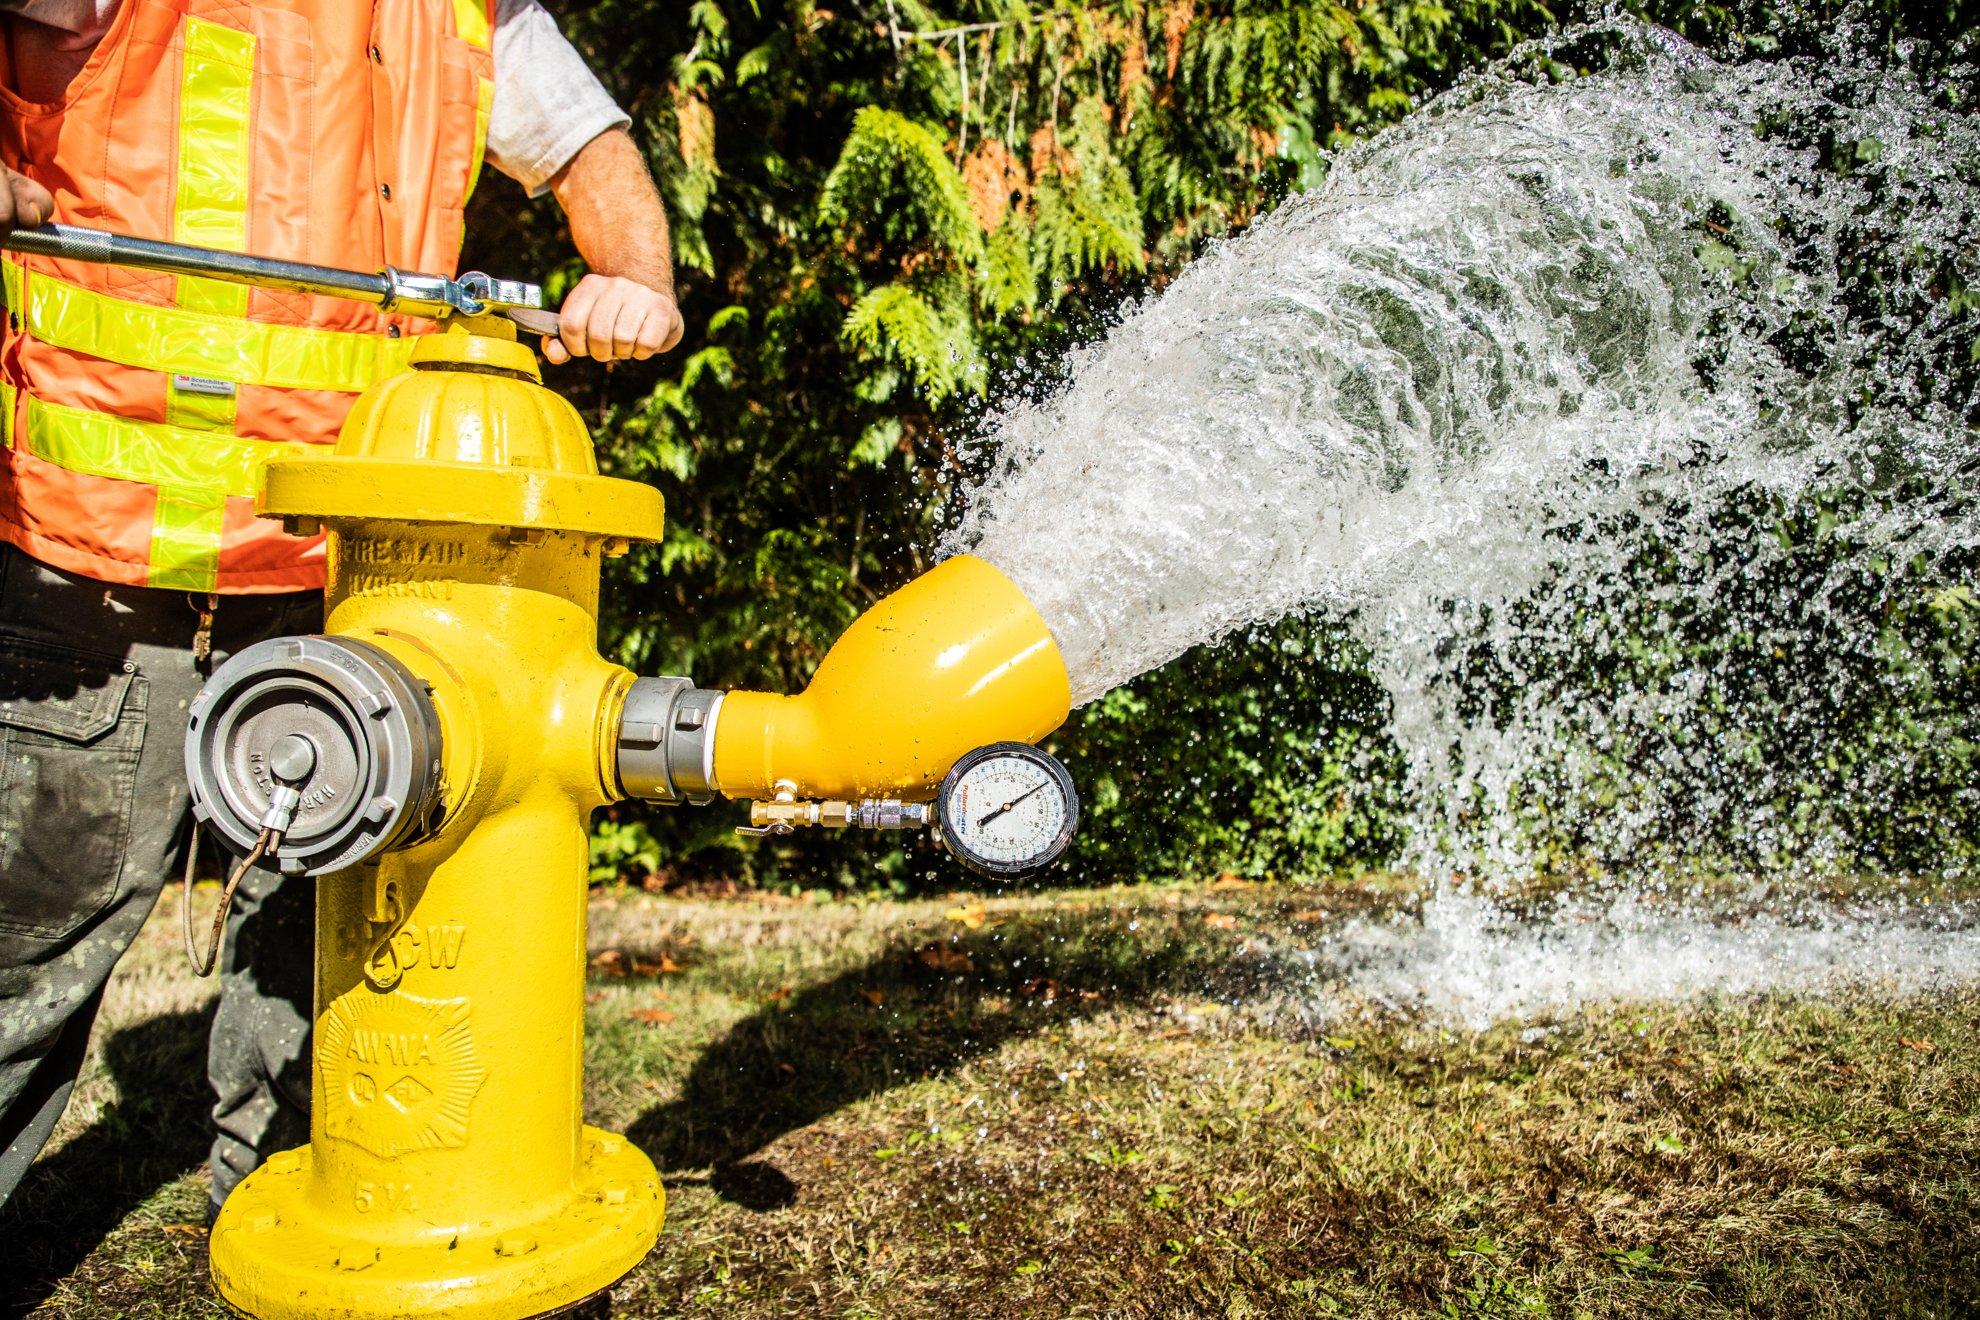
139,408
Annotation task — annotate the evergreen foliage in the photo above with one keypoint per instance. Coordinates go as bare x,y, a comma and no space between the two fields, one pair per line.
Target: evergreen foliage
884,207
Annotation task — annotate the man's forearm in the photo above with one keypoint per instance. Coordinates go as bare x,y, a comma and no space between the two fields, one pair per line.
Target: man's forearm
617,220
625,307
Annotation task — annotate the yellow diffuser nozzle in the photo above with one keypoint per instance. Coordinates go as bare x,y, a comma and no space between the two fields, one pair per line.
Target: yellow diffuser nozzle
956,659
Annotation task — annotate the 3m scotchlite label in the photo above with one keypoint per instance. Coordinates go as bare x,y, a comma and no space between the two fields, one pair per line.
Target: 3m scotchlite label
216,107
199,344
188,404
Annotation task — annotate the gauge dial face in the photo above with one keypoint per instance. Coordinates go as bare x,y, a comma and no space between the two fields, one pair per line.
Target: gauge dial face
1007,809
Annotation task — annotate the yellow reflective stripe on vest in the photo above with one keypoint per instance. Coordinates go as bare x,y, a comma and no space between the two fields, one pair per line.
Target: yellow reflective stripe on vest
194,472
484,106
201,344
216,104
471,22
187,528
103,445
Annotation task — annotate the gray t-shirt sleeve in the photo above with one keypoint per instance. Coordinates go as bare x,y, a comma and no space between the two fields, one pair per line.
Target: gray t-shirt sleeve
548,104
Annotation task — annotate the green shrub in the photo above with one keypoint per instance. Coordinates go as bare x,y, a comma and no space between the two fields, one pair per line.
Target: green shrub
879,209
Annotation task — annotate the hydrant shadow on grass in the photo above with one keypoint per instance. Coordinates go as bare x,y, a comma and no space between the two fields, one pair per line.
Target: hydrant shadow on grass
919,1010
156,1131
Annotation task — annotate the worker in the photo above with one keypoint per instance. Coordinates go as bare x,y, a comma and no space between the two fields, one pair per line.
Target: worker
138,409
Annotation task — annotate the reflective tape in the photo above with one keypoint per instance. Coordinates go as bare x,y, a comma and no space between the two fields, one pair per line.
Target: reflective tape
193,473
471,23
98,444
484,106
188,343
216,104
187,529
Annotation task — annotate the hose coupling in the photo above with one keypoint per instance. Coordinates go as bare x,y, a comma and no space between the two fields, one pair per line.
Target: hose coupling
667,741
324,751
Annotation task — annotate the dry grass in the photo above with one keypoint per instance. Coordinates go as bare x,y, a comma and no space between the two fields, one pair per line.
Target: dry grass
1092,1104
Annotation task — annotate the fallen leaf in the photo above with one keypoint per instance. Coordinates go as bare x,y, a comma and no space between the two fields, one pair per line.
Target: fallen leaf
972,916
665,967
939,957
1219,920
780,994
1229,880
1041,987
594,996
611,962
874,997
1311,915
189,1230
1922,1046
653,1016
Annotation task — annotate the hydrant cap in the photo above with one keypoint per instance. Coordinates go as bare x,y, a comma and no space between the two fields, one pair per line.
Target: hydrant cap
337,719
467,436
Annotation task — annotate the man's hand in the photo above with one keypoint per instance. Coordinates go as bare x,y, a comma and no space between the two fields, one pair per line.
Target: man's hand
25,204
625,307
611,318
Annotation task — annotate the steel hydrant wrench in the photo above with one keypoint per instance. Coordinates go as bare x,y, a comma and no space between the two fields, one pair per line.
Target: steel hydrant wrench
435,297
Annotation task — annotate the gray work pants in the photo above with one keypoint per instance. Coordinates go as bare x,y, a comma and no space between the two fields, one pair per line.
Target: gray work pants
94,684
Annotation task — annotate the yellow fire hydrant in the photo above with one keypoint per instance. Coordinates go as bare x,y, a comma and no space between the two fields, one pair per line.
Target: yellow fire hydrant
434,758
449,1171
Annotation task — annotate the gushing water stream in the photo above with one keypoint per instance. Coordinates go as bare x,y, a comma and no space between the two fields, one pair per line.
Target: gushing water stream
1526,392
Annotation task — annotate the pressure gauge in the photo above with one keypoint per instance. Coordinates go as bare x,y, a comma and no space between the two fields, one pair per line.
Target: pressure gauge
1007,809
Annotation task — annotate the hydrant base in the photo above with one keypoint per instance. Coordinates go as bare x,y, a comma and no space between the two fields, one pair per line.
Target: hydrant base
275,1258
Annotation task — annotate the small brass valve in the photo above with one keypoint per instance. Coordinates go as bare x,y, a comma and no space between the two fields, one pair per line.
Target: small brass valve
785,813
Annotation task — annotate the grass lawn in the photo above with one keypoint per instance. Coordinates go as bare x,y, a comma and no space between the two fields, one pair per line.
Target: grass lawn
1122,1103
